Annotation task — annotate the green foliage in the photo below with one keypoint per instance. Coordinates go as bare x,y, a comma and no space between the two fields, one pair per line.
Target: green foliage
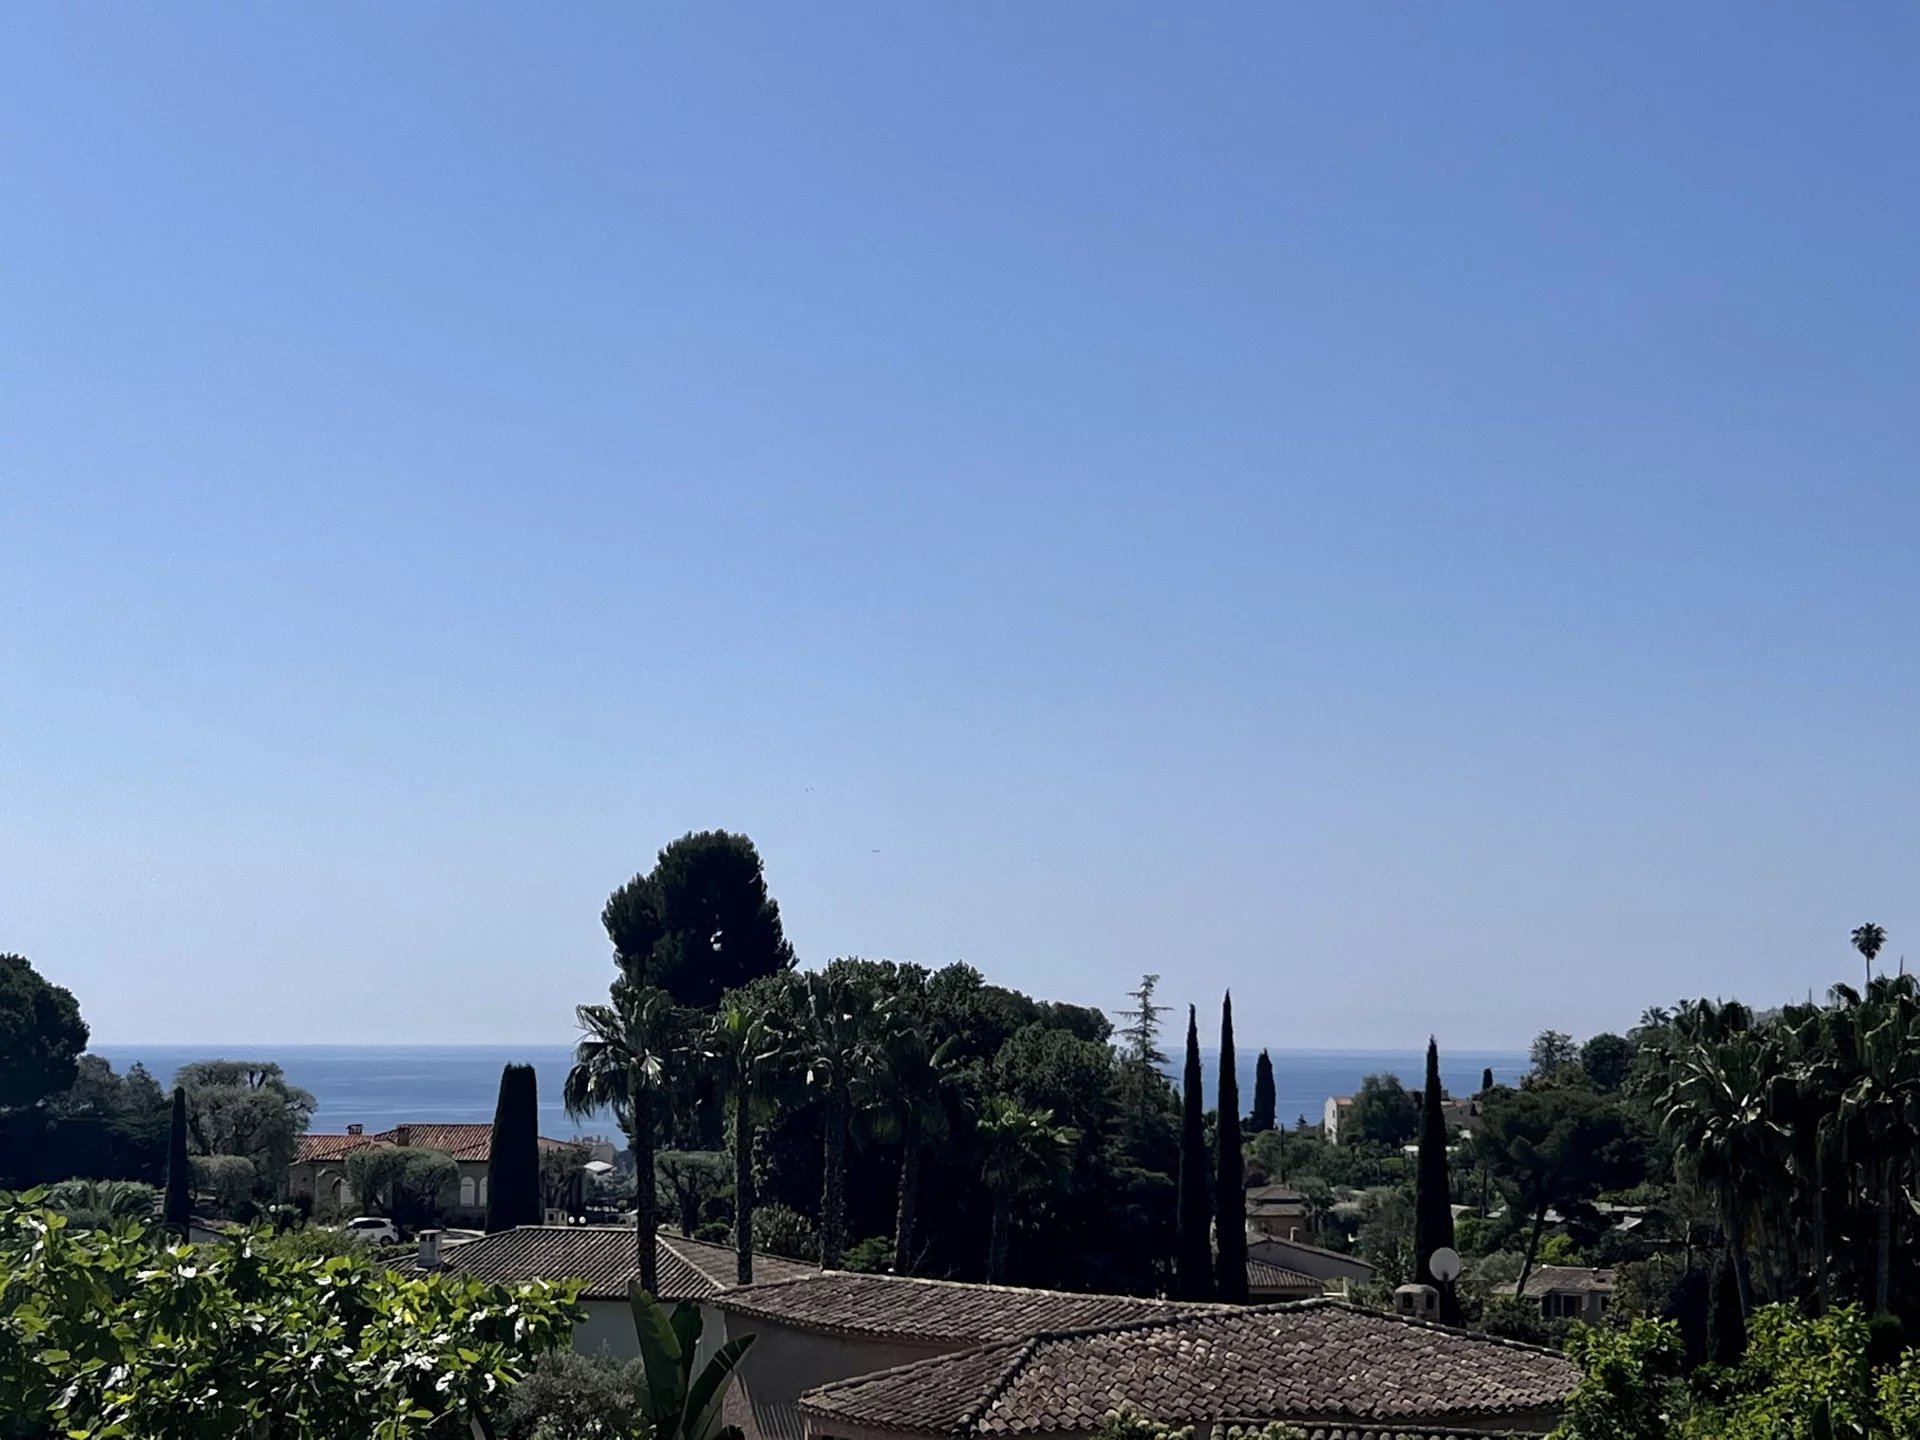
1628,1388
569,1396
1386,1234
409,1183
677,1403
871,1256
108,1334
700,923
102,1203
688,1181
245,1108
1512,1318
1552,1054
229,1183
41,1035
1025,1153
513,1164
1606,1060
1383,1113
782,1230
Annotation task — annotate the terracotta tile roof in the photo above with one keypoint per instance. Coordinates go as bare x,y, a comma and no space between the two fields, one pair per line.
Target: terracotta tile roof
1325,1362
1576,1278
462,1142
601,1257
1264,1275
896,1305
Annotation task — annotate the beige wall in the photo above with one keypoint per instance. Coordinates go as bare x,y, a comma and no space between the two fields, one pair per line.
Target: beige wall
786,1362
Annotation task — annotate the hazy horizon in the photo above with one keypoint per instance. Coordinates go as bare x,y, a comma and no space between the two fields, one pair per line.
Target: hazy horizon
1398,512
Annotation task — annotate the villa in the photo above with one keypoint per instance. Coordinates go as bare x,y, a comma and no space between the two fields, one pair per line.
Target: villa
319,1169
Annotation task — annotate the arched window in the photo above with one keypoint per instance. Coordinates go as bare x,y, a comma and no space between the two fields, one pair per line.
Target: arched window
467,1192
483,1189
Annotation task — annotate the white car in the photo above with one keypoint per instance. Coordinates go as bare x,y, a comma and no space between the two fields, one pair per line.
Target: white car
374,1229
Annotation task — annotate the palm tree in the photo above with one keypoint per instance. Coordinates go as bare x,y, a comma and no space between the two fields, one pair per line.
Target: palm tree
1881,1032
835,1032
746,1046
1805,1104
617,1066
1025,1152
1715,1107
911,1083
1868,939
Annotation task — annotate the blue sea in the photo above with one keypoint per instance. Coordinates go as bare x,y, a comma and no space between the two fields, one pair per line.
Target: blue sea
379,1086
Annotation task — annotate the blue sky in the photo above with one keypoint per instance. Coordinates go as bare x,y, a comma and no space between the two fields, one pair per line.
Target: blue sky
1406,511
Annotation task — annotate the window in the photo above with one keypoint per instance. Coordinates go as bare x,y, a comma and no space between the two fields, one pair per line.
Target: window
467,1192
483,1189
1562,1306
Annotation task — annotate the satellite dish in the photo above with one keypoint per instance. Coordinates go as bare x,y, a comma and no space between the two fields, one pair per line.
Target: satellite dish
1445,1264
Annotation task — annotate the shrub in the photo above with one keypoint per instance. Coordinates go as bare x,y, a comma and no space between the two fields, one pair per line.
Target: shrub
872,1256
782,1230
573,1395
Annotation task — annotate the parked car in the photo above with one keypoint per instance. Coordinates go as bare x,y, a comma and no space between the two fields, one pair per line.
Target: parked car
374,1229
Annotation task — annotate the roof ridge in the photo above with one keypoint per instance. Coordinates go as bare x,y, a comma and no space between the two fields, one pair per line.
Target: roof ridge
890,1277
1015,1364
865,1377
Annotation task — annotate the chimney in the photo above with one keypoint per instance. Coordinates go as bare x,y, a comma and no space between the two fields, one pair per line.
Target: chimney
429,1249
356,1129
403,1134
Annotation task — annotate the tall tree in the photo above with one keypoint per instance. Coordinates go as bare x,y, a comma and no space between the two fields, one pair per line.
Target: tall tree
1025,1152
836,1025
1553,1052
1486,1080
513,1163
1432,1195
1265,1102
617,1066
178,1206
700,923
914,1078
246,1108
1230,1181
1140,1048
1868,940
1193,1261
747,1046
41,1035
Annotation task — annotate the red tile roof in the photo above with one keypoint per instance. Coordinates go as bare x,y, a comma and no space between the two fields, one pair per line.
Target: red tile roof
1323,1362
601,1257
843,1302
462,1142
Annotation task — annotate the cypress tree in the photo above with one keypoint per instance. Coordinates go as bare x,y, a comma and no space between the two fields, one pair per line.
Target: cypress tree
177,1208
1193,1260
1264,1102
513,1164
1432,1196
1230,1183
1486,1080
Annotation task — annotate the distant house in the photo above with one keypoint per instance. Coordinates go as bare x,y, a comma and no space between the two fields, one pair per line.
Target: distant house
832,1325
1460,1114
1330,1368
1276,1210
1567,1292
1310,1260
602,1259
1267,1282
319,1169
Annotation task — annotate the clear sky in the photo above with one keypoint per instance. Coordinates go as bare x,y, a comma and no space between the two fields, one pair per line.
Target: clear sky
1409,511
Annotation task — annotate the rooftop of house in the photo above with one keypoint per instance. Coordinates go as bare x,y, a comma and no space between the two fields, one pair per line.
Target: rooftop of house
602,1259
462,1142
1320,1361
1276,1249
1562,1280
1261,1197
1265,1275
907,1307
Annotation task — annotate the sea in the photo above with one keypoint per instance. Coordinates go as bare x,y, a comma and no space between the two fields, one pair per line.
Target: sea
380,1086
